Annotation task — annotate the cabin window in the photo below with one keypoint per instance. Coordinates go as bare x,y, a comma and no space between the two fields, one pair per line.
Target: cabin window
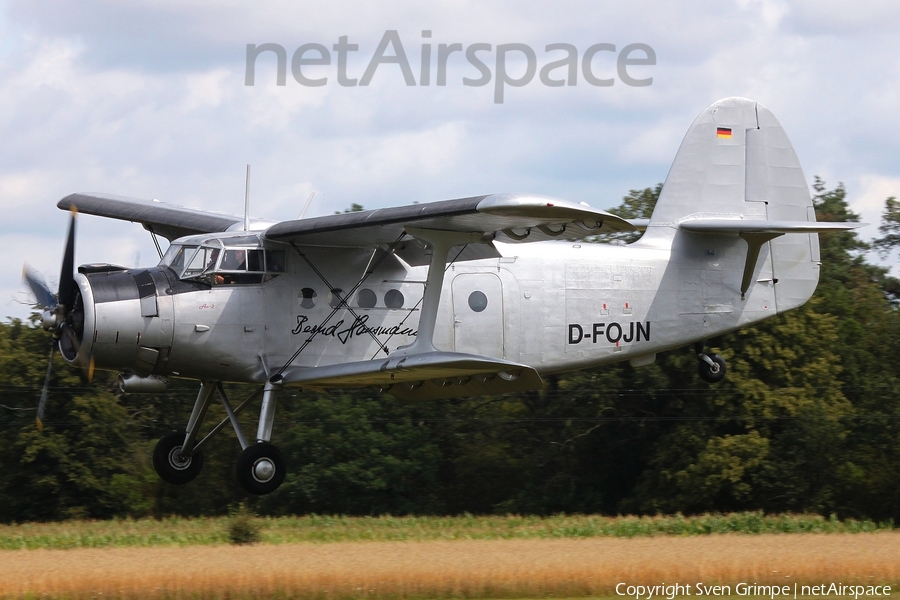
307,298
393,299
477,301
366,298
334,299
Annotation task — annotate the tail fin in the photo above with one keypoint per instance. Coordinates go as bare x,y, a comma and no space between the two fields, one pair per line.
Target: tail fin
736,174
734,160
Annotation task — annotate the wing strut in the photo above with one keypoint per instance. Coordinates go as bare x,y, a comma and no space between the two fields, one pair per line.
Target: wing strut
440,242
155,241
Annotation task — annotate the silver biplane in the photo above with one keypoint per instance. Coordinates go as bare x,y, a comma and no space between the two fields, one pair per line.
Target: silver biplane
479,295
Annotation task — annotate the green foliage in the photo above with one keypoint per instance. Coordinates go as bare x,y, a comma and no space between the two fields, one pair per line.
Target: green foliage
638,204
889,228
323,528
356,454
353,208
243,526
806,421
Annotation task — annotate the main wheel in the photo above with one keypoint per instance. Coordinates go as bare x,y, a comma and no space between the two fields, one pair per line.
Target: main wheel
169,463
712,373
260,469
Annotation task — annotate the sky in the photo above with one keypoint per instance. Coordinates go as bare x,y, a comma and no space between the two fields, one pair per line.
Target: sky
149,99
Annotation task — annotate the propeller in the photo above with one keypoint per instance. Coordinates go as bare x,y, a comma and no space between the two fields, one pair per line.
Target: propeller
63,315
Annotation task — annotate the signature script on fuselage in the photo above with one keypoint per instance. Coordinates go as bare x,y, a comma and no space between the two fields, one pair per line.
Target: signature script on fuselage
344,332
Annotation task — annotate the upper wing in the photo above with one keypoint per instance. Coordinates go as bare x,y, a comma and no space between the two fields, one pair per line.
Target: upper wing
501,217
167,220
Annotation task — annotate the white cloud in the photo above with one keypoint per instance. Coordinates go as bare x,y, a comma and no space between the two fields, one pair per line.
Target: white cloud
147,99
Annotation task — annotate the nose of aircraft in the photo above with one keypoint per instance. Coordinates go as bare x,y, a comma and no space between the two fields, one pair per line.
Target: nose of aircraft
63,316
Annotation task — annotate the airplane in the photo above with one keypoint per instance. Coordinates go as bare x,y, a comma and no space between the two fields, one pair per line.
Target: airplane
472,296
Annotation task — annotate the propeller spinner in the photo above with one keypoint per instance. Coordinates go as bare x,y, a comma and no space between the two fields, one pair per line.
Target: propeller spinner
63,315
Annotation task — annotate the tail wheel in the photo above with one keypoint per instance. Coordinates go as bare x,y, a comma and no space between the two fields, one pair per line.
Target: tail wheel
170,465
261,469
712,373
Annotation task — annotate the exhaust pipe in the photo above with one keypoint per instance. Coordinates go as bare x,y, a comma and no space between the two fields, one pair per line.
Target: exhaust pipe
130,383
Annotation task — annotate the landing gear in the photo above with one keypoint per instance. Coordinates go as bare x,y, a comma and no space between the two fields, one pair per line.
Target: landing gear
171,465
711,367
260,469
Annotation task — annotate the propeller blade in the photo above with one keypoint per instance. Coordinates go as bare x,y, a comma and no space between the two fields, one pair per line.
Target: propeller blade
39,288
67,274
39,419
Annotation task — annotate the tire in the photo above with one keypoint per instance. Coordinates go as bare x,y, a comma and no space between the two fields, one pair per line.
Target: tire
167,460
251,468
710,373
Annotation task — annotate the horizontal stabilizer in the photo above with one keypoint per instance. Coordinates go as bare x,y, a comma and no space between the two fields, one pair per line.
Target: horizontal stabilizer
757,232
425,376
738,226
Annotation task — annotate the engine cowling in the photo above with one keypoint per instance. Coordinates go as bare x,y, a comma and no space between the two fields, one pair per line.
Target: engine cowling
122,319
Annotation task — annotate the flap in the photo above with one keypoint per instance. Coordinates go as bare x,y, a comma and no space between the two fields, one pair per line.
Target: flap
425,376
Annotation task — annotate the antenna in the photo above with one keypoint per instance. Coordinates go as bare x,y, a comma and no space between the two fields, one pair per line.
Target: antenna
247,201
306,208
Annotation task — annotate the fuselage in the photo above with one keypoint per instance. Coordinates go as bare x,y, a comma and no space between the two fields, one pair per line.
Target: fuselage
555,306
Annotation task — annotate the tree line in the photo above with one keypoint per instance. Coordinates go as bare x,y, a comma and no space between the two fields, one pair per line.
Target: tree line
806,421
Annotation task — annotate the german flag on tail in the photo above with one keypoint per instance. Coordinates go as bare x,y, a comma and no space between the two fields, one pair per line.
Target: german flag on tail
723,132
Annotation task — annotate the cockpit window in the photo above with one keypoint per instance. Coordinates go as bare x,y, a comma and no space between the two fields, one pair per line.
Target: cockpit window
229,265
203,259
173,251
234,260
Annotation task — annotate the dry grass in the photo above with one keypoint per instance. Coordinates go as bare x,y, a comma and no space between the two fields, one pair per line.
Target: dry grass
442,569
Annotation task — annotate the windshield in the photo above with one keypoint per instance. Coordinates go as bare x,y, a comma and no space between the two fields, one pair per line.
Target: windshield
172,253
202,260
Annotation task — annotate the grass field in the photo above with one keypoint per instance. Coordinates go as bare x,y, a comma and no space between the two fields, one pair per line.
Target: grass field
505,568
323,529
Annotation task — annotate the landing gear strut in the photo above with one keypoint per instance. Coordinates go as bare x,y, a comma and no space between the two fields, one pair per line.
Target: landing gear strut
711,367
260,469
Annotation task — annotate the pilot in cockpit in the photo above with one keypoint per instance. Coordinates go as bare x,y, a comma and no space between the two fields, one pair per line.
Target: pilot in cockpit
234,260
